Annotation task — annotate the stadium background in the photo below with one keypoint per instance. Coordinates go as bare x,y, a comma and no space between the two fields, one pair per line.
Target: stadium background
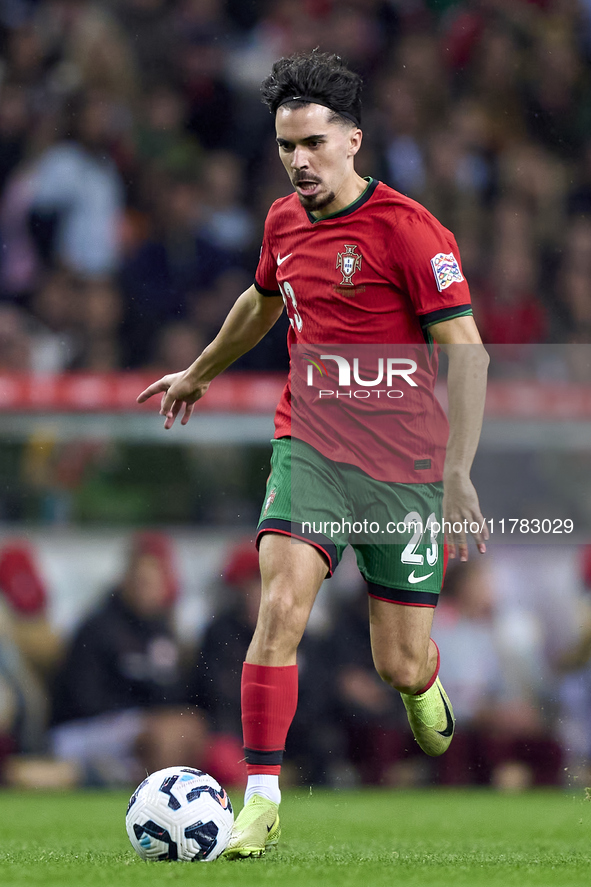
136,168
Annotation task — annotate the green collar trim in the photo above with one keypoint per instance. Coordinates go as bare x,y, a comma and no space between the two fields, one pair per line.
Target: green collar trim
347,210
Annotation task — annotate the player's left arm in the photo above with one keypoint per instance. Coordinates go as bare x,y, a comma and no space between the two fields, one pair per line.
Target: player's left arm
466,386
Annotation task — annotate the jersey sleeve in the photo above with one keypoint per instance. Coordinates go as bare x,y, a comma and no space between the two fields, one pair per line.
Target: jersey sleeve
265,279
427,263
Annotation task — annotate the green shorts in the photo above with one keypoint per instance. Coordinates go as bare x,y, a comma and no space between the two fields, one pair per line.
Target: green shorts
393,528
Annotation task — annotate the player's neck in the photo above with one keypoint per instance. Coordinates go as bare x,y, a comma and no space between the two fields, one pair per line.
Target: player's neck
351,191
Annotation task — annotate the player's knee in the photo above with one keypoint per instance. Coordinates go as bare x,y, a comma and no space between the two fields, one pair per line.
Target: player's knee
281,606
282,619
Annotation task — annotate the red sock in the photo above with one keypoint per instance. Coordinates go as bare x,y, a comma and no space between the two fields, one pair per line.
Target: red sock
434,676
269,702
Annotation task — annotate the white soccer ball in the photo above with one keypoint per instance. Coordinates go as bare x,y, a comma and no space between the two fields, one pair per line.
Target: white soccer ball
179,813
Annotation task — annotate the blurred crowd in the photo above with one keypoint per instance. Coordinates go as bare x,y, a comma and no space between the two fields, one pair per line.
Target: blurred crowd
125,690
137,162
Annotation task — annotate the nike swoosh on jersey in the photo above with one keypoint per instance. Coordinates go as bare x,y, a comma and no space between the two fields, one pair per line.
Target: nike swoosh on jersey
280,260
412,578
449,729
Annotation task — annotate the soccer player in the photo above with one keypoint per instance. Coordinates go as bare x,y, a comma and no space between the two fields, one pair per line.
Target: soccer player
355,262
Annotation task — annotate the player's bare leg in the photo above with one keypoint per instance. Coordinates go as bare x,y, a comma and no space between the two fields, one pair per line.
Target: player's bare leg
292,574
402,651
407,658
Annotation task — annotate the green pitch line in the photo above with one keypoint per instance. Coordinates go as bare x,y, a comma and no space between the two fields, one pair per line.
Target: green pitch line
429,838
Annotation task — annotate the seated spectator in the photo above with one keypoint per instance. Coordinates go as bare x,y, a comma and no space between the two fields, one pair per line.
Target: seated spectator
55,306
101,313
574,666
574,280
160,136
227,223
20,697
24,591
120,699
154,37
88,47
28,652
77,200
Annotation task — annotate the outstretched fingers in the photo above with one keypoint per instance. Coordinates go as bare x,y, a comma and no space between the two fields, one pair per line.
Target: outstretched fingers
170,408
457,530
169,405
178,396
155,388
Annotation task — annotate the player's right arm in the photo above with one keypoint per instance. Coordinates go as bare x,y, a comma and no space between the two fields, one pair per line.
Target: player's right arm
248,321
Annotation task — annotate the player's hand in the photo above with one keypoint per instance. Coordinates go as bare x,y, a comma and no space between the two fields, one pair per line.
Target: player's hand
179,392
461,507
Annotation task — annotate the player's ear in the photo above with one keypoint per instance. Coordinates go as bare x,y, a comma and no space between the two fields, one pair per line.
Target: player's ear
355,141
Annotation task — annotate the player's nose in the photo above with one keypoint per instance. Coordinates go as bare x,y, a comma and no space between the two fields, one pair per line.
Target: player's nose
299,158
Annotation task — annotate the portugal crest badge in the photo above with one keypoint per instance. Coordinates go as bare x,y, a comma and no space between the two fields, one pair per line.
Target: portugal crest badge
348,263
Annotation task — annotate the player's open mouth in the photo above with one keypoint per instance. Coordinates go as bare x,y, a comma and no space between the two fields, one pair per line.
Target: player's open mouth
307,187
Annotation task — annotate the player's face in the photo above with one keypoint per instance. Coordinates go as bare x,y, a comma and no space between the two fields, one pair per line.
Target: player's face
318,156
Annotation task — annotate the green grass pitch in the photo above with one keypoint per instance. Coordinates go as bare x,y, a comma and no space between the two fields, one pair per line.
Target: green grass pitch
432,838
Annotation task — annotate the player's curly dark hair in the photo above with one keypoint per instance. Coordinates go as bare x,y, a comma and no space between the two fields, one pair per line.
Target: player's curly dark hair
316,75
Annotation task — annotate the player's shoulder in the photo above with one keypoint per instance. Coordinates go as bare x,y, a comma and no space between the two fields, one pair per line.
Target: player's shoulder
284,209
409,215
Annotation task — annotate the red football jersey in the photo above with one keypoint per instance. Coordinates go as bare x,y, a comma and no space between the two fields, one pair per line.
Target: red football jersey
377,274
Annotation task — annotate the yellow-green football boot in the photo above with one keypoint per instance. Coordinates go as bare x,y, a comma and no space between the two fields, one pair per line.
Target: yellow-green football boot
431,719
256,829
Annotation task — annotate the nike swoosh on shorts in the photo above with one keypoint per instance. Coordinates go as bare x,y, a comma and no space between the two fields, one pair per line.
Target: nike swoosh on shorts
412,578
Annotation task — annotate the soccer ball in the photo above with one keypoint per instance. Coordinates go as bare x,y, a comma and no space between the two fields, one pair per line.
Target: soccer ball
179,813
